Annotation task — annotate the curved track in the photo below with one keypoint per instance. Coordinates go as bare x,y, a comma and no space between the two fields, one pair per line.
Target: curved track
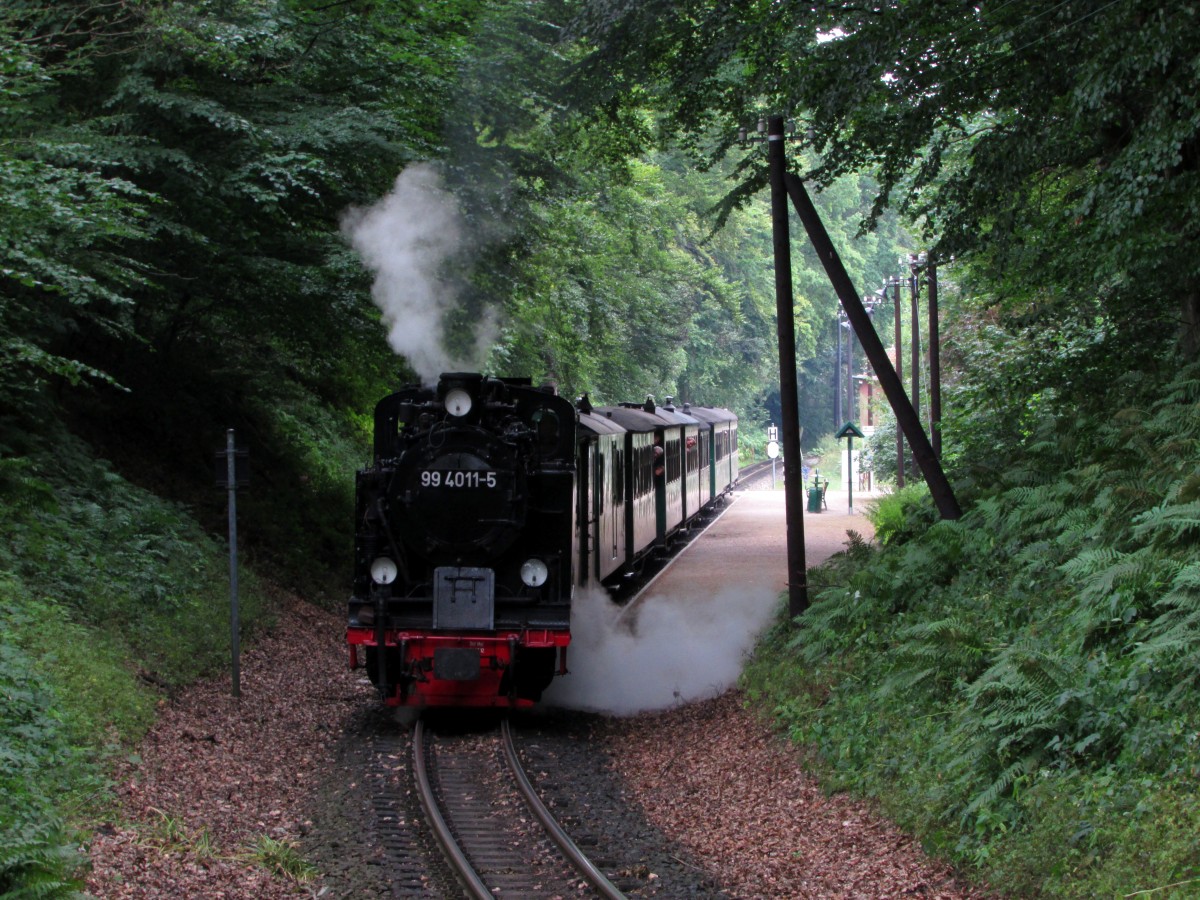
474,791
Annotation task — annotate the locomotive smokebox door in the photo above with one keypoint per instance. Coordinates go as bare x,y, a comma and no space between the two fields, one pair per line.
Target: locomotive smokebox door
463,597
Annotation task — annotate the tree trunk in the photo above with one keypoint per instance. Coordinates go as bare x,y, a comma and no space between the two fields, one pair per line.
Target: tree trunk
1189,332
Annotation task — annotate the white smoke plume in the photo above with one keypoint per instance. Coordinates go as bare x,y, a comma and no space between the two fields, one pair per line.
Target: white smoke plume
407,239
661,652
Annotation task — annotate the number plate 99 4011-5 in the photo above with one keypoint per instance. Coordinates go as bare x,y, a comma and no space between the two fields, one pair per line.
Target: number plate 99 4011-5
458,478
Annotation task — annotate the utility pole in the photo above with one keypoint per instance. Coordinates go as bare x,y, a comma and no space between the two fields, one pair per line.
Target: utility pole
793,481
900,376
915,285
906,416
935,365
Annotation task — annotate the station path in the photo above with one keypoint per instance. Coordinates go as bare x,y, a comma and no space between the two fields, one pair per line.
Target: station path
747,545
687,635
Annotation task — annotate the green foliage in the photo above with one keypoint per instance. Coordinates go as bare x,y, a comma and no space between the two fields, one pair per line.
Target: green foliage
897,515
171,183
172,265
1025,677
35,863
136,570
1047,145
650,306
108,597
36,859
65,225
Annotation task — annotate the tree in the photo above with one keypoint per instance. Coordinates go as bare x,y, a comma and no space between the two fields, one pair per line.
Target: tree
1045,144
65,229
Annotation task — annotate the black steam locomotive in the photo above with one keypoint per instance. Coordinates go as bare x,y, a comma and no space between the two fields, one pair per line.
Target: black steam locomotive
487,502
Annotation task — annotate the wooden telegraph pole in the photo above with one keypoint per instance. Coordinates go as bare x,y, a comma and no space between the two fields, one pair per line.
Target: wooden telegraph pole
793,481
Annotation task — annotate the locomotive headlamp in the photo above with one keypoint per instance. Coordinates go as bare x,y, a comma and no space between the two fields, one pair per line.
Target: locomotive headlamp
458,402
534,572
383,571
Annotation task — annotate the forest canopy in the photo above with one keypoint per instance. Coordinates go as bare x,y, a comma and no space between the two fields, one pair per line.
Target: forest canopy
1052,146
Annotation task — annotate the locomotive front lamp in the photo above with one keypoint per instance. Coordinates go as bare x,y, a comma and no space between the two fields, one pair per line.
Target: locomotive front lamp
457,402
534,572
383,571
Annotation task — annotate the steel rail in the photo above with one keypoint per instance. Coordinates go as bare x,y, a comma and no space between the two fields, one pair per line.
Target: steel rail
441,831
574,855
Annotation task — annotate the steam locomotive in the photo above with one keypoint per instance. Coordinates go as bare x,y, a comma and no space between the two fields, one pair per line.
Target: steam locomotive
487,503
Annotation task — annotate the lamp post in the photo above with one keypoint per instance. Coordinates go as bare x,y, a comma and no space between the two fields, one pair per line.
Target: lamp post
849,372
837,371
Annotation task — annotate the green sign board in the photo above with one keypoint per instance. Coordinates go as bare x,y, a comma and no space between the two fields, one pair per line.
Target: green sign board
849,430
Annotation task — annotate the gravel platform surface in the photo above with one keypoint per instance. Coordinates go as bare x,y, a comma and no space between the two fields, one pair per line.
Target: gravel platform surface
707,798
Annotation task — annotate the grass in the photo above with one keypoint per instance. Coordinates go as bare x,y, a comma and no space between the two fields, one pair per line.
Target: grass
282,858
112,598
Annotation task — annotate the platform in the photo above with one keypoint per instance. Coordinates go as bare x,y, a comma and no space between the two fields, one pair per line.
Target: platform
686,636
747,545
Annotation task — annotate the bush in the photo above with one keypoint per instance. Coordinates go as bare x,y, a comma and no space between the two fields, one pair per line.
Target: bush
37,763
1020,686
901,514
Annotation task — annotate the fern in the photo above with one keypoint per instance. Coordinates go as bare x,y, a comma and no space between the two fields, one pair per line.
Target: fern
1169,522
1090,562
35,862
838,620
1019,699
1001,785
943,651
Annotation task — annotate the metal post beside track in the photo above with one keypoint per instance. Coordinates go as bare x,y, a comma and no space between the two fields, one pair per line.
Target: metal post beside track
234,631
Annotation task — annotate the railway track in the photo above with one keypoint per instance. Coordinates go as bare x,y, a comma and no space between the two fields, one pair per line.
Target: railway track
496,834
378,842
760,469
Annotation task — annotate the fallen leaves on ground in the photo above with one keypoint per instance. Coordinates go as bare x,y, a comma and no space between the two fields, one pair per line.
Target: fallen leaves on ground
720,782
220,778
